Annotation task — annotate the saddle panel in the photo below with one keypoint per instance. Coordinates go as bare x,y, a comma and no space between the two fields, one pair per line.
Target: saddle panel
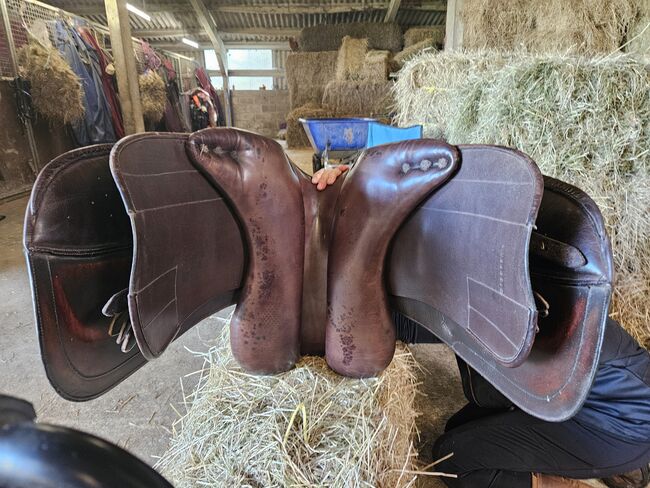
78,245
188,254
464,251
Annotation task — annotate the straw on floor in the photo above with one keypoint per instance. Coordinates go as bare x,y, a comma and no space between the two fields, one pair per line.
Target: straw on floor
306,427
584,121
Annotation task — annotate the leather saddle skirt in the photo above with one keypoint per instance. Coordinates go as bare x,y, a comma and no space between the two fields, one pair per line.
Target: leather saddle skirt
130,246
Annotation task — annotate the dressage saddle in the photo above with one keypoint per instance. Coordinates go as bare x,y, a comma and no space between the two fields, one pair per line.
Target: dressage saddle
129,246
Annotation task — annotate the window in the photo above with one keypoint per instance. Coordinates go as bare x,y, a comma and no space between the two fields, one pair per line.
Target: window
250,59
242,59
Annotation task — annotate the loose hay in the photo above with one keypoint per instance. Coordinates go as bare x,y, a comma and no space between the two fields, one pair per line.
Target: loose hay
351,57
585,121
365,97
328,37
307,75
306,427
377,65
153,94
57,93
579,26
418,34
296,136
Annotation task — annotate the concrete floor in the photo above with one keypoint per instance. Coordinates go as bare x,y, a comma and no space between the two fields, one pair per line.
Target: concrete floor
138,414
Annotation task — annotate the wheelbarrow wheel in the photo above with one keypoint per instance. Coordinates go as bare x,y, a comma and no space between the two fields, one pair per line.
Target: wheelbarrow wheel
316,162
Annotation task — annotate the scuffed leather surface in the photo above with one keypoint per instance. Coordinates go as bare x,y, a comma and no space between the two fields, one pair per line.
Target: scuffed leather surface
188,257
78,247
265,193
383,187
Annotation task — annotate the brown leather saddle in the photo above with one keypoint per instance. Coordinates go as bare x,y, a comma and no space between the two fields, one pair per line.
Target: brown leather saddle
511,270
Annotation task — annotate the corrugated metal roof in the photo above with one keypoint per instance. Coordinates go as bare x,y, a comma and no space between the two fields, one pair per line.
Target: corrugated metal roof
256,20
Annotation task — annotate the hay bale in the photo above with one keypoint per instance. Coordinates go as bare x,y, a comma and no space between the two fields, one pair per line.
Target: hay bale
377,65
296,136
153,96
362,97
328,37
57,93
415,35
414,49
306,427
307,74
639,34
583,120
350,60
578,26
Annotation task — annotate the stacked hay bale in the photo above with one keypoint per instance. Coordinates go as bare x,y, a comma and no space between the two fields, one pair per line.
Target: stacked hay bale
307,75
417,39
361,84
583,120
306,427
342,71
579,26
381,36
639,34
415,35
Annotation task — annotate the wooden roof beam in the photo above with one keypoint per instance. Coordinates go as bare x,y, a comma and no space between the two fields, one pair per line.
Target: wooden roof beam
391,11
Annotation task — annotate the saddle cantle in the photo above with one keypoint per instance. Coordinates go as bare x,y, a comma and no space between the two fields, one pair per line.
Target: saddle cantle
181,226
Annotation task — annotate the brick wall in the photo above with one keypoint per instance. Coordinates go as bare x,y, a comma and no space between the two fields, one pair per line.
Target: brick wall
260,111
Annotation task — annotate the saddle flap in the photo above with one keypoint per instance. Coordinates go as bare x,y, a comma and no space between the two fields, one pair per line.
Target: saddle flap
188,256
568,266
465,251
78,246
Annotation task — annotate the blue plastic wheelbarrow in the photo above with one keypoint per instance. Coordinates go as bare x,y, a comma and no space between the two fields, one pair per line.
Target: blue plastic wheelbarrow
343,139
336,139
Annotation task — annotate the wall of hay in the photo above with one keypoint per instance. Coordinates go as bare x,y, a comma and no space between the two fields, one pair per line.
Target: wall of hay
577,26
307,74
372,99
328,37
583,120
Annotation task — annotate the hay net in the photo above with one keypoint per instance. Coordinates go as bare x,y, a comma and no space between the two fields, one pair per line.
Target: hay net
583,120
306,427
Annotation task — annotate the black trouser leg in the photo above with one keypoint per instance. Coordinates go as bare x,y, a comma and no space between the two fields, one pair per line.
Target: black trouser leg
501,447
502,450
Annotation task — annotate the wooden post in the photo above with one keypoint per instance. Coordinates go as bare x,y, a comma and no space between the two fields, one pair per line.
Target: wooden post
125,67
391,11
209,26
454,31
